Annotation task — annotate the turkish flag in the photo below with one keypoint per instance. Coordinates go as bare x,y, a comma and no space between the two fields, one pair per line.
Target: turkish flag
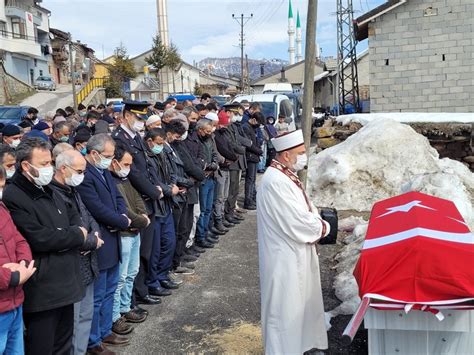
418,250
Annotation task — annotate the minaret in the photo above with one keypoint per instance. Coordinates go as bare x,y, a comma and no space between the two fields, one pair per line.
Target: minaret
291,35
299,39
162,8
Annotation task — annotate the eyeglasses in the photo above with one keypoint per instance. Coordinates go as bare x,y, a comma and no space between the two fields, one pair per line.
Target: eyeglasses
80,172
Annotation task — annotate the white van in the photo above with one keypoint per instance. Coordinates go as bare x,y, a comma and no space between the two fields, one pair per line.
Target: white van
272,105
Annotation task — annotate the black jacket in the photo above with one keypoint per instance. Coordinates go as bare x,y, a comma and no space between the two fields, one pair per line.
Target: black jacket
143,174
166,180
254,151
52,231
191,168
227,147
180,178
241,139
89,264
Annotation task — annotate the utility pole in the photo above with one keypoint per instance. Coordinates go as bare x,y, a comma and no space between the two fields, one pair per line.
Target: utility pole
308,94
71,68
242,21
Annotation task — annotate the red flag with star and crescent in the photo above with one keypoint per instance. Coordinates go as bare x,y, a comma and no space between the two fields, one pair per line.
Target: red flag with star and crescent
418,250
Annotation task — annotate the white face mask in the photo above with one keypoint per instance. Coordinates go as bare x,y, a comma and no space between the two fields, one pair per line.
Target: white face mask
74,180
15,143
184,136
138,126
301,162
141,134
45,175
10,173
213,129
236,118
1,194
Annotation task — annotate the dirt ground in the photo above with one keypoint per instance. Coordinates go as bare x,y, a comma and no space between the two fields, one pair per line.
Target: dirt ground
217,310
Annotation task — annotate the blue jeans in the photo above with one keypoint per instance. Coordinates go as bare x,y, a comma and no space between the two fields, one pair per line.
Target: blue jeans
206,200
128,270
11,332
83,313
164,246
104,290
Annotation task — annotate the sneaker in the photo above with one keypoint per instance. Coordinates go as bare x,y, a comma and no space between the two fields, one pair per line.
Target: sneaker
134,317
121,327
181,270
173,275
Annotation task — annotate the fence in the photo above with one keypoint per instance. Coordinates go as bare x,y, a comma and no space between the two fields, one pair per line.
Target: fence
89,87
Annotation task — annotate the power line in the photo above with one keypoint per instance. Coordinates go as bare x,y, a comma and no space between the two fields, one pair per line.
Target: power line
242,21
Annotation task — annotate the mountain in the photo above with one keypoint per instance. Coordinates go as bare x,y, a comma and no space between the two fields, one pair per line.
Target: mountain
231,66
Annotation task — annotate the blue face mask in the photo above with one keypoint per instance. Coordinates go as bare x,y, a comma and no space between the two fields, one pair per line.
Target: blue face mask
84,151
157,149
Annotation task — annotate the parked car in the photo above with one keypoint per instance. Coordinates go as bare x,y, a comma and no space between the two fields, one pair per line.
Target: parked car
118,103
273,105
45,83
12,114
221,99
181,97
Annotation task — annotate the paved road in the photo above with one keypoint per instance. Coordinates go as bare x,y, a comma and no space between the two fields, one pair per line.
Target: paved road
217,310
46,101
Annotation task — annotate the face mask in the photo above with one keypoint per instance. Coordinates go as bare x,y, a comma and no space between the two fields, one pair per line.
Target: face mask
64,139
157,149
82,114
104,163
84,151
301,162
10,173
123,173
141,134
184,136
1,194
45,175
138,126
237,118
74,180
192,125
160,114
15,143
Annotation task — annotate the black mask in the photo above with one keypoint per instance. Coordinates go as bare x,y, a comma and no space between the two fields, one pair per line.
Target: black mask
192,126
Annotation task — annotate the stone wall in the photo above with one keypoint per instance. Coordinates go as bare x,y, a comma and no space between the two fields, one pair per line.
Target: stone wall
11,87
421,58
451,140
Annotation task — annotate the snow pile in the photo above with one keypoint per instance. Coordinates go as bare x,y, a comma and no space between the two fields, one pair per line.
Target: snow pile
407,117
345,285
384,159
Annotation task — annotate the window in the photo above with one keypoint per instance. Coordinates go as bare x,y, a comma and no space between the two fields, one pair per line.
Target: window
18,28
41,73
3,29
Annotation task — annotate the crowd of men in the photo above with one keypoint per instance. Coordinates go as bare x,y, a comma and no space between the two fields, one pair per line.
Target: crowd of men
105,211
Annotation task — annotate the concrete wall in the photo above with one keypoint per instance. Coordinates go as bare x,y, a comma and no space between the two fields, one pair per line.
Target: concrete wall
421,58
11,87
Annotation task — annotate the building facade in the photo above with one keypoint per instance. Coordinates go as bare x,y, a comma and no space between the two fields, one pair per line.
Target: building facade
25,47
421,55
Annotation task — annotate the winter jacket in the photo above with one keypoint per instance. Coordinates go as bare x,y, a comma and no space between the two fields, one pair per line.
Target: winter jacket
166,180
241,139
180,178
135,207
211,159
105,203
89,264
53,232
13,249
227,147
191,168
254,151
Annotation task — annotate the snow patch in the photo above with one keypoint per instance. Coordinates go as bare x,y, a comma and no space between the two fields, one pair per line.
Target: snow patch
407,117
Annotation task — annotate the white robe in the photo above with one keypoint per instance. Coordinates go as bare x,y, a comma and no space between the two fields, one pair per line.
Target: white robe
292,303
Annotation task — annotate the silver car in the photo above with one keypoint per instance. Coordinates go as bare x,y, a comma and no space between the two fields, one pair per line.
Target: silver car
45,83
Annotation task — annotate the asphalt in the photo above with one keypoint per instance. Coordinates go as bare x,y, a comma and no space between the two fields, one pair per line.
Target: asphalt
217,310
46,101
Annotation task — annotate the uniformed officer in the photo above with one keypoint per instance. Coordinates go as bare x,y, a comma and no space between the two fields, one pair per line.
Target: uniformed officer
144,178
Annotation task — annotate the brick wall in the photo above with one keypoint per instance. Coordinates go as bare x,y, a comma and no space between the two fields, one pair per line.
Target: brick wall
421,58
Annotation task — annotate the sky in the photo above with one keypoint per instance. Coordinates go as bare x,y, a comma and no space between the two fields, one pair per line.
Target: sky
199,28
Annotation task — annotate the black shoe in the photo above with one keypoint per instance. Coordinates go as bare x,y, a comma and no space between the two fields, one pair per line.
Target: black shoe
250,207
213,240
141,310
204,244
159,291
220,227
227,224
148,299
198,249
233,220
238,217
189,258
191,266
214,230
170,285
